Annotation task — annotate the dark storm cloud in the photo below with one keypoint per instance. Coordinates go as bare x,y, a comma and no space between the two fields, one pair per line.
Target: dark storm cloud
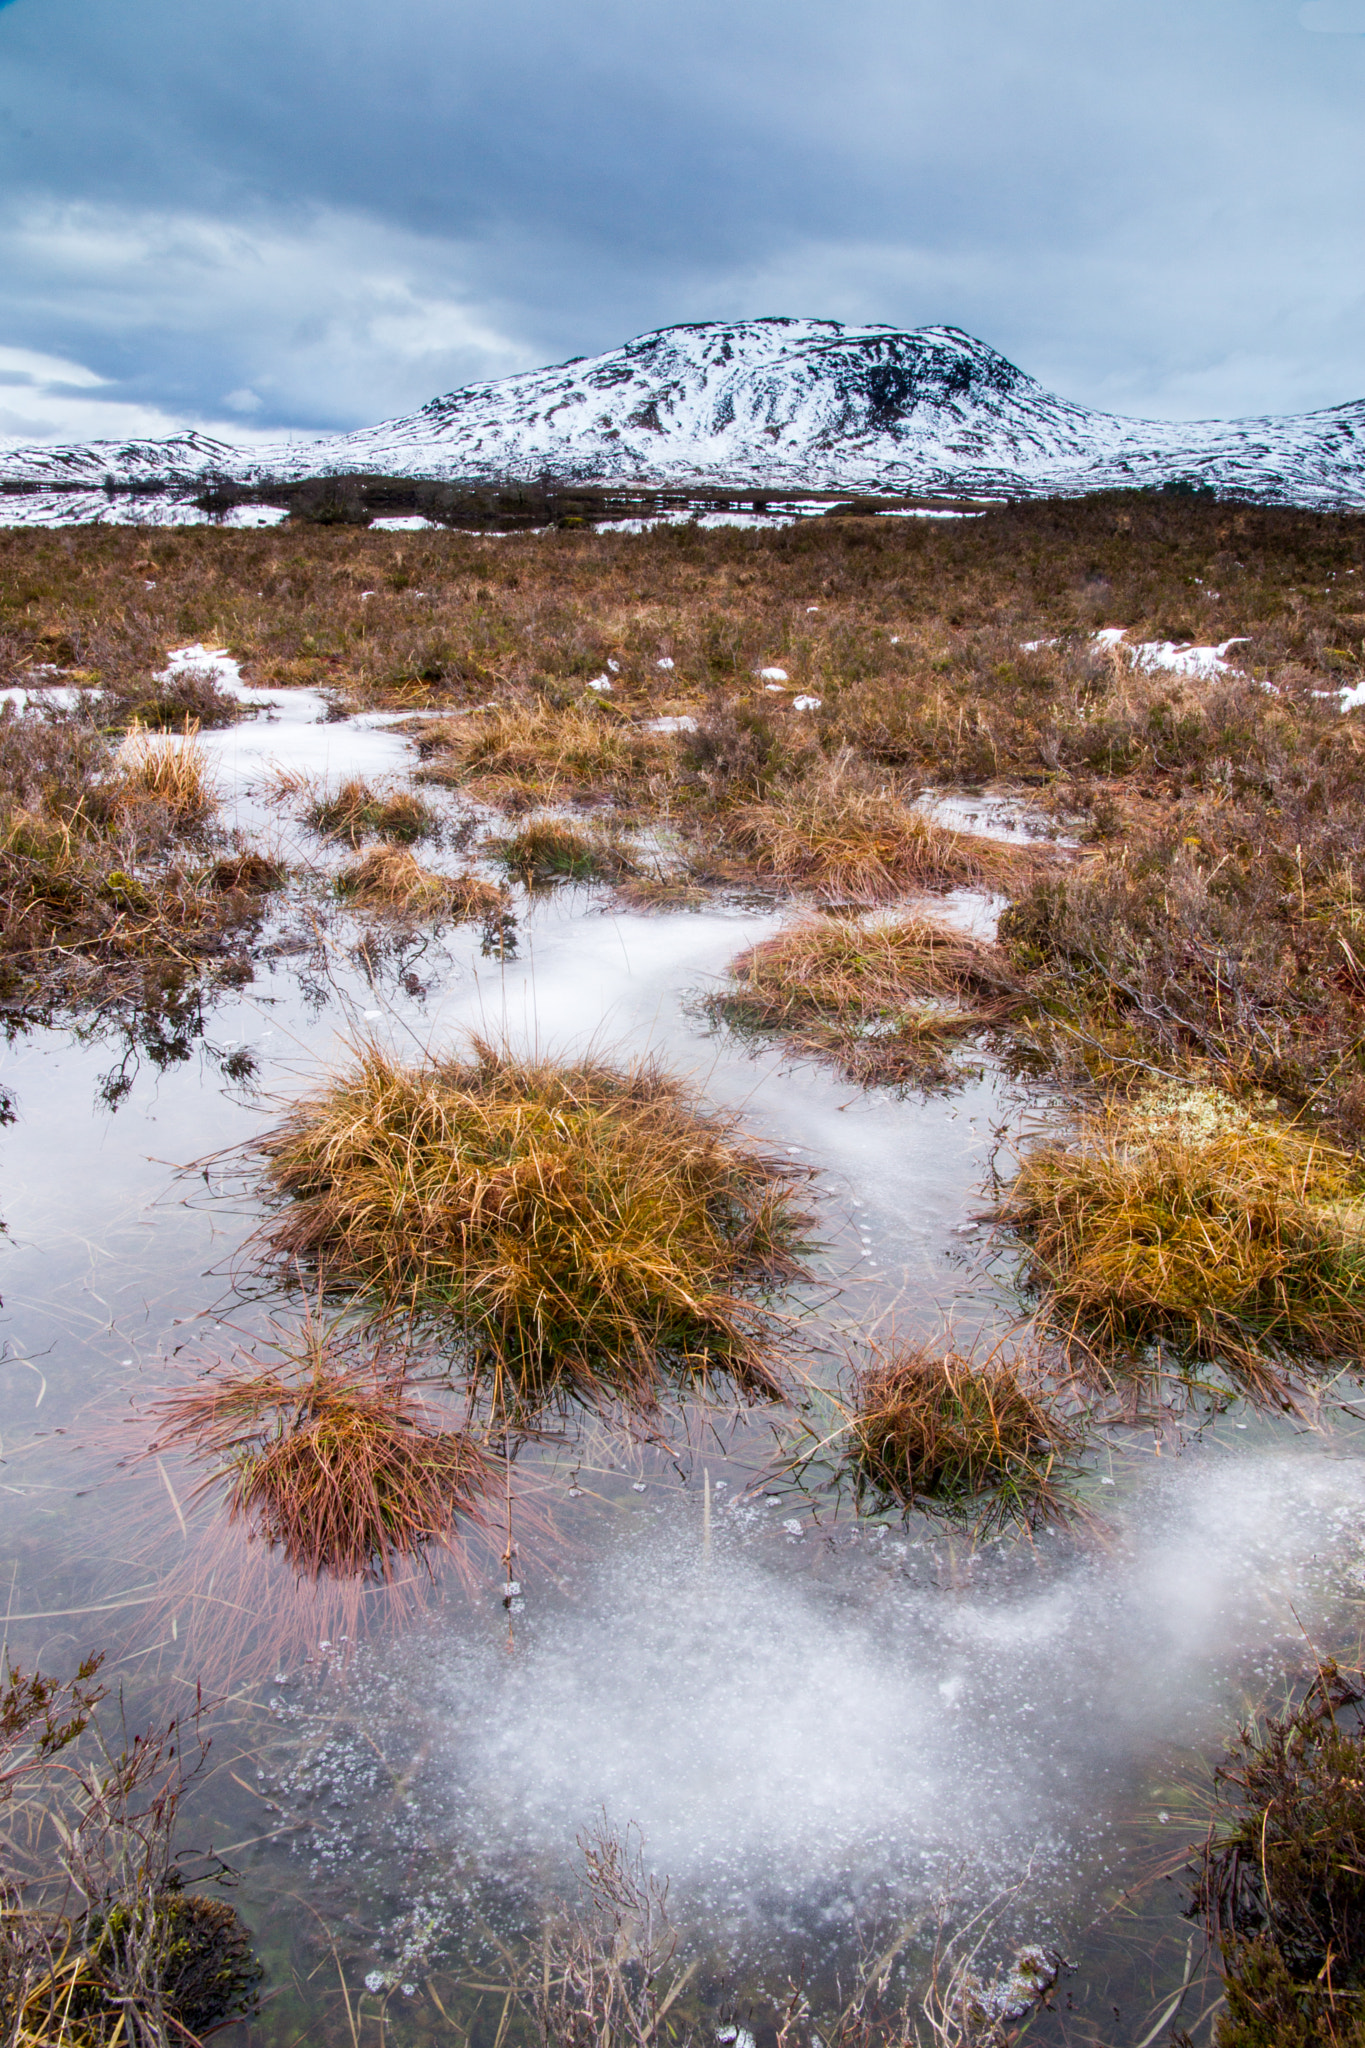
289,211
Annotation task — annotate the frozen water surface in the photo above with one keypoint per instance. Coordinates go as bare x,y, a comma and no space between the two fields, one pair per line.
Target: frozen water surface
815,1720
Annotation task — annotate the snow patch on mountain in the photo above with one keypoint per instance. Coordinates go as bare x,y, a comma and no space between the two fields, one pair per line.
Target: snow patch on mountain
774,404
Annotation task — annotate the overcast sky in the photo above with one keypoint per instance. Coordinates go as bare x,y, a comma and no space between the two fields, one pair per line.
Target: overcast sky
309,214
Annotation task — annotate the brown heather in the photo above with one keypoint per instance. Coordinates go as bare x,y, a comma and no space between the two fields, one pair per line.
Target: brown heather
104,881
1214,920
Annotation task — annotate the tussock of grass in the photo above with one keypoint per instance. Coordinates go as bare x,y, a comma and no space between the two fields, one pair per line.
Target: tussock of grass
94,895
254,873
356,812
170,773
393,879
1281,1883
546,850
331,1458
976,1441
535,753
848,842
1186,1219
578,1229
880,1000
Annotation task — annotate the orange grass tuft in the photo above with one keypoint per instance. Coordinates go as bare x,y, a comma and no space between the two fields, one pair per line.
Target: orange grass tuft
391,878
848,841
576,1229
337,1464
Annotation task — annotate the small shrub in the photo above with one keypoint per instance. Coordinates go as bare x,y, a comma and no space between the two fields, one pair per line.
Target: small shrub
973,1441
185,698
256,874
1185,1218
1281,1884
578,1228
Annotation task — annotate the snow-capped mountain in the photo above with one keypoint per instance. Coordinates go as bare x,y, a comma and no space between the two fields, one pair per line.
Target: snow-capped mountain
775,405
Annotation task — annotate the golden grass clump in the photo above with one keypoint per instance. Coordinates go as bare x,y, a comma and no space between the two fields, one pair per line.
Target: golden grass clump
848,842
975,1441
546,850
391,878
332,1459
576,1229
880,1000
356,811
165,770
1185,1218
536,753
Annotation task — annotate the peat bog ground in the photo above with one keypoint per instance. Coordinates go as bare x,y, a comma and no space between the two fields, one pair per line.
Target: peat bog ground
684,1281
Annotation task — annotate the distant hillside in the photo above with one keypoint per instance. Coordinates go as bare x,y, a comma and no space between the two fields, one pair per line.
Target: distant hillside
771,405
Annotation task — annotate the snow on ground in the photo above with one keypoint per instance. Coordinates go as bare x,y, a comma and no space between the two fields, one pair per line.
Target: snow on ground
124,508
1180,659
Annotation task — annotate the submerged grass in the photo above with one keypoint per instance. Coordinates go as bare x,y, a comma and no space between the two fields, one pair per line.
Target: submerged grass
331,1457
882,1001
1184,1219
977,1441
577,1229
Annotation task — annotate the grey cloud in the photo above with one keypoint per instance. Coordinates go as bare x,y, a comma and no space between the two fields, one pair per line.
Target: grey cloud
1152,205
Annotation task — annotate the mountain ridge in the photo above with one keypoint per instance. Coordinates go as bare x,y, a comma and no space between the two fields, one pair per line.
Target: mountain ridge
771,404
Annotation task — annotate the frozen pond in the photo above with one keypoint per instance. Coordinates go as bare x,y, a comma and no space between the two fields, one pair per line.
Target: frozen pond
816,1721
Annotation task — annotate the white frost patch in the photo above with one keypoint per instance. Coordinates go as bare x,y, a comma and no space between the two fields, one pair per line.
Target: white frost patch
213,662
683,724
1205,662
1002,818
257,515
599,682
406,523
1154,655
773,675
42,696
807,703
1351,699
923,512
